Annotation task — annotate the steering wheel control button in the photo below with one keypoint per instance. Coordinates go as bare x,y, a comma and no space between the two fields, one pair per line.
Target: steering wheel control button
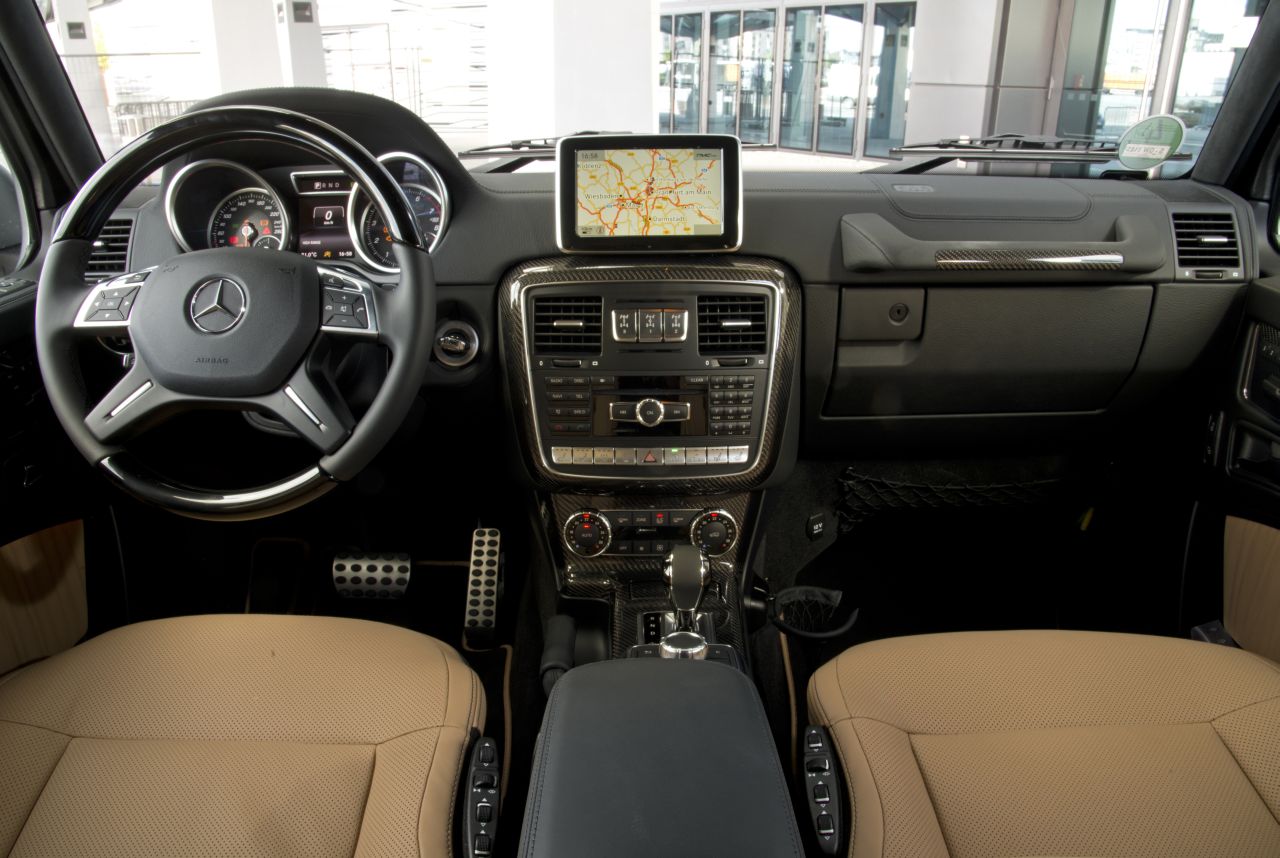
624,326
218,305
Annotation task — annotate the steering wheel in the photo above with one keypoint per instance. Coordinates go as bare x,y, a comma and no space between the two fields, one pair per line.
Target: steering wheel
231,327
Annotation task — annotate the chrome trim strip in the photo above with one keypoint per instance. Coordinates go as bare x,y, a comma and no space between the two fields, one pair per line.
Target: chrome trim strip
302,406
131,398
441,193
180,178
1087,259
519,292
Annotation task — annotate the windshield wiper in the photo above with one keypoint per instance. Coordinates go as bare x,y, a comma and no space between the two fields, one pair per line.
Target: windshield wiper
1007,147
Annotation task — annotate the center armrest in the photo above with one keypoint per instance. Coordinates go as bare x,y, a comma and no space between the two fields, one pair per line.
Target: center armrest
643,757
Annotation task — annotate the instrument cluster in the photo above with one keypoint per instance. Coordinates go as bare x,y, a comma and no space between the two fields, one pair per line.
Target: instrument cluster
320,213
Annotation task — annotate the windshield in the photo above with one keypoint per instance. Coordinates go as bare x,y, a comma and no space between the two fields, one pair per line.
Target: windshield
804,86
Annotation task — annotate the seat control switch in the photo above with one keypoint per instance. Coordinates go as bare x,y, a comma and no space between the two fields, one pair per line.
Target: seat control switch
822,790
481,794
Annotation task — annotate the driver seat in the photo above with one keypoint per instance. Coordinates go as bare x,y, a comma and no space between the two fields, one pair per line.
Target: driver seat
245,735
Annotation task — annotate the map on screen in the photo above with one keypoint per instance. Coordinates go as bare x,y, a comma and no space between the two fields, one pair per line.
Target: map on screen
649,192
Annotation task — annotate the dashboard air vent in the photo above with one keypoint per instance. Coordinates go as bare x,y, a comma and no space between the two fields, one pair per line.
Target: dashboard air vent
1206,240
110,254
732,324
567,324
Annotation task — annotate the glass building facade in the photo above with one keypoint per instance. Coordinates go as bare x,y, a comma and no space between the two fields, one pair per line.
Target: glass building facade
837,79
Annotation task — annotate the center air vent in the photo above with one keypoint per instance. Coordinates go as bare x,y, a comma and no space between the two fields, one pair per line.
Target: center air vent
567,325
110,253
1206,240
732,324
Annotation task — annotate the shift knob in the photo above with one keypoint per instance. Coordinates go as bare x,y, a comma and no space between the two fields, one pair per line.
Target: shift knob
686,573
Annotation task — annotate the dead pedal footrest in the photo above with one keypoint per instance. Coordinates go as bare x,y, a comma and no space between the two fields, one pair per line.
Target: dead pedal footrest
372,576
482,585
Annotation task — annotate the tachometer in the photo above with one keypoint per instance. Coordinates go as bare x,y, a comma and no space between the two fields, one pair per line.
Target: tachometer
375,239
250,217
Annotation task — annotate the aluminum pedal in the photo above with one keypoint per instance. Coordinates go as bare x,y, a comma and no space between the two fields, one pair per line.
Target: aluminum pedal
372,576
482,585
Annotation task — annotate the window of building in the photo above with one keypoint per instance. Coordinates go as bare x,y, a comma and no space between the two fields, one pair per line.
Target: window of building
838,91
799,78
889,86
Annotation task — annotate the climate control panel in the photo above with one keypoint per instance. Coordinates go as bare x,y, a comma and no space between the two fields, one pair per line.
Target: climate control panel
648,532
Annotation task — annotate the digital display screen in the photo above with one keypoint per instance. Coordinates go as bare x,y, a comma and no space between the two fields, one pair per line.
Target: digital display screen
322,227
322,183
649,193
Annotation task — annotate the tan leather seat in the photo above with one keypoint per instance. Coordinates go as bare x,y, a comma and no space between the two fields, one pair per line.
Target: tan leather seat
237,736
1055,744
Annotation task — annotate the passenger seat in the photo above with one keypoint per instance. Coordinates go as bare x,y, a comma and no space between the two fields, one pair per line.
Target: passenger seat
1047,743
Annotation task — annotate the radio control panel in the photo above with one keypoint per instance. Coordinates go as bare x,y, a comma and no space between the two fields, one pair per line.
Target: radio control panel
650,381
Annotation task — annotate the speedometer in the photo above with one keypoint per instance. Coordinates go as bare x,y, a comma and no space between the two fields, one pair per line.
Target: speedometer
250,217
375,238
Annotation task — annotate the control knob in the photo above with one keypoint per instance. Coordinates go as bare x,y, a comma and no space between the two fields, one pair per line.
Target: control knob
714,531
650,412
587,533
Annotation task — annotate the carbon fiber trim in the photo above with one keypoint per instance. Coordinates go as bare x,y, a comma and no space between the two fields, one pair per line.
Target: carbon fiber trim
1029,259
568,270
634,585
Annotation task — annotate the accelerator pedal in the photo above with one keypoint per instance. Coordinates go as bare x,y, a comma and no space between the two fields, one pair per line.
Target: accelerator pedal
372,576
481,620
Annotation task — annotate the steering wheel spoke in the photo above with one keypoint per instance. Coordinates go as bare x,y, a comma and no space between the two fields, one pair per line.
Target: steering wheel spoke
135,402
108,304
348,305
311,408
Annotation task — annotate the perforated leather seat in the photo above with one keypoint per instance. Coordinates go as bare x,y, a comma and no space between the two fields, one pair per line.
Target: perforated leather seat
237,735
1055,744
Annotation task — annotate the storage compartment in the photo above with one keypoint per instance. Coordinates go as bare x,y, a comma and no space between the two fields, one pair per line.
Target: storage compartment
991,351
646,757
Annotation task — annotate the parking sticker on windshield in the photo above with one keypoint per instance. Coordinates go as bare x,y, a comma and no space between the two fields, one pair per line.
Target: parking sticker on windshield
1150,142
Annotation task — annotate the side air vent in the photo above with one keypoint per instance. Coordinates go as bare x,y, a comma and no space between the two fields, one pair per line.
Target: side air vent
732,324
110,254
567,325
1206,240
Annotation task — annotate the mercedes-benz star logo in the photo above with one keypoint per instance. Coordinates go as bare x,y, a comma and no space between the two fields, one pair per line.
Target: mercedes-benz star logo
218,305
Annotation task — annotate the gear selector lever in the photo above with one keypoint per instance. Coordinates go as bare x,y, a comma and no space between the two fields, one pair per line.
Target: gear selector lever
686,572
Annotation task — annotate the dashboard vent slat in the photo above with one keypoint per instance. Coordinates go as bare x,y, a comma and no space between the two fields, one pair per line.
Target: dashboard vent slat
110,256
569,324
732,324
1206,240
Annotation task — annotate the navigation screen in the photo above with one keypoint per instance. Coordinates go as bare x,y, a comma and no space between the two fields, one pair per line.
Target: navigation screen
650,192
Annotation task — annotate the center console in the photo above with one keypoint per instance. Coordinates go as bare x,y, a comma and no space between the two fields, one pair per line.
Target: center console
649,370
651,399
641,758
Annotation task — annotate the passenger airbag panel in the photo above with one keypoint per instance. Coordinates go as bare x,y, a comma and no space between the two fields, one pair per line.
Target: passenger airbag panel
998,351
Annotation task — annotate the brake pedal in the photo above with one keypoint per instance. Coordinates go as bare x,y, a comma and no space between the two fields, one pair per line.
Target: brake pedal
372,576
482,586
